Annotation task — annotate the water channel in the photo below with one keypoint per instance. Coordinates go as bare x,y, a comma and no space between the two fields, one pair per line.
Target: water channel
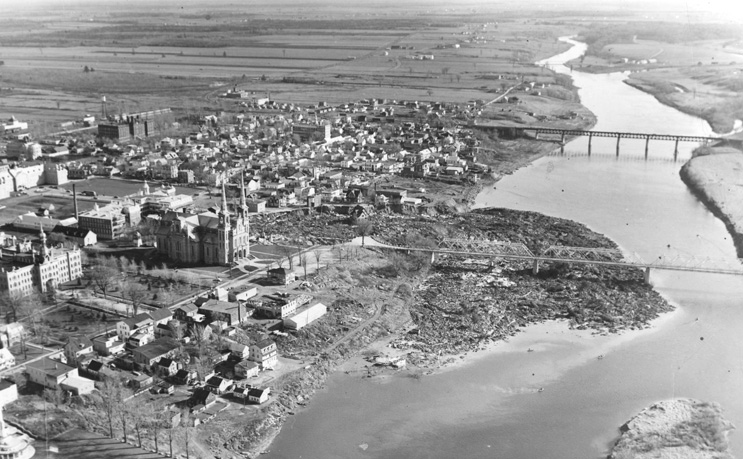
492,407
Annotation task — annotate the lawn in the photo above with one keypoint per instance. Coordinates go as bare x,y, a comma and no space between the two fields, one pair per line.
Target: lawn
31,203
114,187
82,444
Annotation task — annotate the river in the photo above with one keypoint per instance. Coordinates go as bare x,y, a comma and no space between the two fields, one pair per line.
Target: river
492,407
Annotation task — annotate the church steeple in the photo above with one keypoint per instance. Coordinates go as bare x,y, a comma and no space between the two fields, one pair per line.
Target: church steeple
224,214
243,202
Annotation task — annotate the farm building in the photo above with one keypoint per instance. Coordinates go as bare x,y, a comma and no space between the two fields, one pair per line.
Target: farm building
305,317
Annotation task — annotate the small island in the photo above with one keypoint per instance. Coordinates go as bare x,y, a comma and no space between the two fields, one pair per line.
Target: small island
678,429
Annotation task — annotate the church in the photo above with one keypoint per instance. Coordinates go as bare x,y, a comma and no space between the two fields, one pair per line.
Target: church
207,238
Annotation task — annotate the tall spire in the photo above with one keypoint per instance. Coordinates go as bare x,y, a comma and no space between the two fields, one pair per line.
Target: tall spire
224,199
243,203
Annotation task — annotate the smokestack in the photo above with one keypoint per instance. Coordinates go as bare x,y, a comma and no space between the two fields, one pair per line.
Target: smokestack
74,199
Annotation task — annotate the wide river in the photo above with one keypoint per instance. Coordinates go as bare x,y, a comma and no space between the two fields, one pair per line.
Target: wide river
491,407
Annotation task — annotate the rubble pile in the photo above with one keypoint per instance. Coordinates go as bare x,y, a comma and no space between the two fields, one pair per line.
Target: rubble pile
462,306
318,228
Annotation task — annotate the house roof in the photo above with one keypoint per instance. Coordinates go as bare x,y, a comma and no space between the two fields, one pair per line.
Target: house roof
79,342
160,314
165,362
95,365
255,392
50,366
264,343
157,348
138,320
188,308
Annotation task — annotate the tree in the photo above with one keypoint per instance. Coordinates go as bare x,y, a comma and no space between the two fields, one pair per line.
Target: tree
363,229
135,293
109,402
288,252
86,69
318,255
103,277
303,262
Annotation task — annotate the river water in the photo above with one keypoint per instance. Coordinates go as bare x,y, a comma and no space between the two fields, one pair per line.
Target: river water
491,407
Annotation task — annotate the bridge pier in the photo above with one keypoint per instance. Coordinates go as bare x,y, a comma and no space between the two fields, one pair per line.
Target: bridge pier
647,144
647,276
590,138
562,144
535,266
619,137
676,150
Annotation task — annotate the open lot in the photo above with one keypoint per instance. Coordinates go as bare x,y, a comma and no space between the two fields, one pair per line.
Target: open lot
63,206
117,187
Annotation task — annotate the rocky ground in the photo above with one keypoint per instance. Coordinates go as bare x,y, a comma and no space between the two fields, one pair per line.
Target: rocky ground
675,429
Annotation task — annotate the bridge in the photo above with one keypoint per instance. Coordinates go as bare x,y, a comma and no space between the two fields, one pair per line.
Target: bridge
563,133
577,255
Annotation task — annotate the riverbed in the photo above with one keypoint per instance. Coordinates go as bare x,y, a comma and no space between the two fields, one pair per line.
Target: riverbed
493,406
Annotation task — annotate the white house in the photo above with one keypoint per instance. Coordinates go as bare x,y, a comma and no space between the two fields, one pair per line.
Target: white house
303,318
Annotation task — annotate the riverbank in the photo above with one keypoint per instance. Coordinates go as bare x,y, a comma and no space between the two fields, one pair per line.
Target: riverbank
675,429
716,181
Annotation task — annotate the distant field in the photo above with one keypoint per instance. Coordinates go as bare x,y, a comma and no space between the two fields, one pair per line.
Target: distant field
692,53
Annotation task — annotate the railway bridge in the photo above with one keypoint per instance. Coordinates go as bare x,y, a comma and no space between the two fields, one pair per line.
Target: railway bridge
580,255
563,134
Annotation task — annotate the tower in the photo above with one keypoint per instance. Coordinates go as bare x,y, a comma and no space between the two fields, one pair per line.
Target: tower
224,231
45,252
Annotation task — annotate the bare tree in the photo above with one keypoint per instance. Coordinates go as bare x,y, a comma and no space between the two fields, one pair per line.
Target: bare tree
103,277
363,229
111,397
134,292
303,262
139,417
54,396
318,255
288,252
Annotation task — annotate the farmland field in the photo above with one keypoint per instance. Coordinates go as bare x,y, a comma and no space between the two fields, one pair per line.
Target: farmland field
148,62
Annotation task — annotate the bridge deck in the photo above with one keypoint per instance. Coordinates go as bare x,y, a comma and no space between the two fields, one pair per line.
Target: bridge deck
623,135
623,264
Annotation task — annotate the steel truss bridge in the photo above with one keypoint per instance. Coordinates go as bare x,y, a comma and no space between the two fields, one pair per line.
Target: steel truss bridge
564,133
580,255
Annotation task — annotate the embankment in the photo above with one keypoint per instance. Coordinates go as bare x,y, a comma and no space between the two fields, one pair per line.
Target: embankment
716,181
675,429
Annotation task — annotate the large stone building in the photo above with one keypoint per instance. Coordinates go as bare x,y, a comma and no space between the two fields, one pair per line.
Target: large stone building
108,222
206,238
25,268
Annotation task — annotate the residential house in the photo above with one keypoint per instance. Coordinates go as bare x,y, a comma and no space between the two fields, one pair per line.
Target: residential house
149,354
280,276
140,323
256,395
184,376
160,316
201,399
218,385
77,347
246,369
166,367
140,381
240,351
108,344
186,312
52,374
264,353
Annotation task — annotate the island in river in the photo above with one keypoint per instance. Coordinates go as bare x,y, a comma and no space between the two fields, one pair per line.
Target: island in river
675,429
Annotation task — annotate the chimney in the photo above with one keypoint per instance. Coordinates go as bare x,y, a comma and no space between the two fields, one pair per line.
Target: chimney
74,199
